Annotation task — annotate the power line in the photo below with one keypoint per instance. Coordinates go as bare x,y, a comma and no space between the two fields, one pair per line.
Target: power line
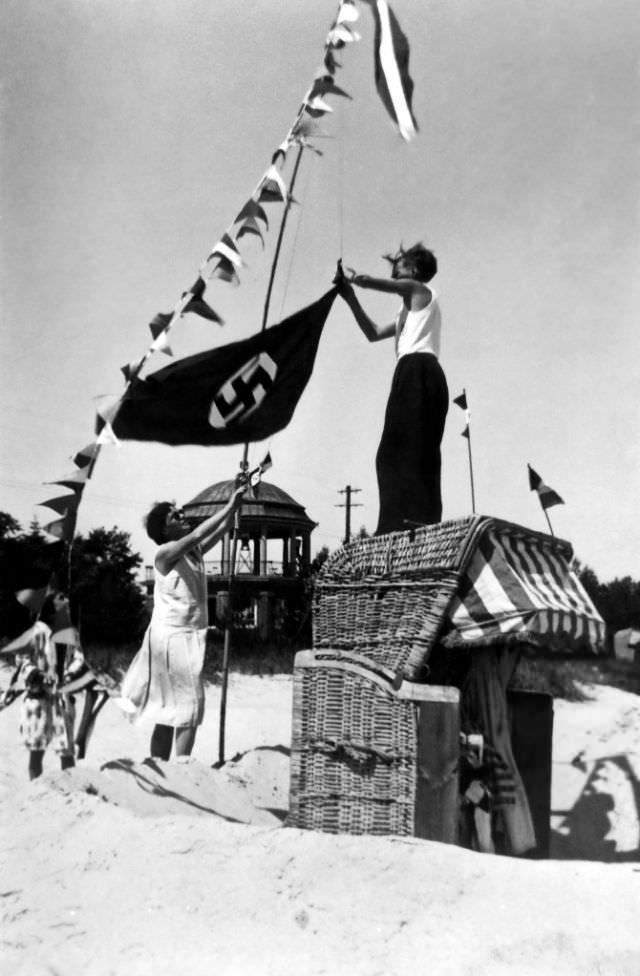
348,505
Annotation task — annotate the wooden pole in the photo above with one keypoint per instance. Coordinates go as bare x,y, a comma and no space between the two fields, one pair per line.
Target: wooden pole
473,493
244,464
546,515
467,434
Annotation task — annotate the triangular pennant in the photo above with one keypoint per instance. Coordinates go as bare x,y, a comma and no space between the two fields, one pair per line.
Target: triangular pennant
224,270
461,400
131,370
107,407
465,432
547,495
325,85
107,436
305,128
226,248
317,106
330,62
62,528
161,344
253,209
199,307
348,13
272,188
87,455
160,322
280,154
74,481
63,503
198,287
340,34
250,226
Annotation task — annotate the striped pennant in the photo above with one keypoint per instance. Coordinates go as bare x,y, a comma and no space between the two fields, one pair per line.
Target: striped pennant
393,81
518,584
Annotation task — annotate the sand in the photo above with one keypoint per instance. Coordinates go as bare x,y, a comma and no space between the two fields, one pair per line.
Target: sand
127,866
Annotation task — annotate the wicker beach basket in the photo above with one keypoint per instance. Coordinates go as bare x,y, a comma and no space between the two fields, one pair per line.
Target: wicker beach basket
355,746
385,597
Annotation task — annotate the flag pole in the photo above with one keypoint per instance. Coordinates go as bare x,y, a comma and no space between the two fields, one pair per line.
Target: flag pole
244,464
461,401
473,493
546,515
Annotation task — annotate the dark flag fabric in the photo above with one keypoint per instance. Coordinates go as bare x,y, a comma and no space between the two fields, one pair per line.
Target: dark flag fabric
547,496
391,53
245,391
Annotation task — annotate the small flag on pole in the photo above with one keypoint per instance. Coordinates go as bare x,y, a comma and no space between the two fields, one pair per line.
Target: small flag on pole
548,497
255,476
461,401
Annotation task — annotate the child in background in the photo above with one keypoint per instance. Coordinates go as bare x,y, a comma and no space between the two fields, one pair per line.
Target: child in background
47,717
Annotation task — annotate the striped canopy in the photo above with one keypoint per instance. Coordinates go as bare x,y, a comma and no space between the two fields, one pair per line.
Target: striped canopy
518,585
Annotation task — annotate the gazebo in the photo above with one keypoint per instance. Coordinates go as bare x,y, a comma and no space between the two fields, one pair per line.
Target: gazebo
272,557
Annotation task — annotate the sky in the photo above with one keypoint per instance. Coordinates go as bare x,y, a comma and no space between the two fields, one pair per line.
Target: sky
133,131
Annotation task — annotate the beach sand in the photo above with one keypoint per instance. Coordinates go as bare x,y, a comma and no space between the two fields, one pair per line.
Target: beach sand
126,866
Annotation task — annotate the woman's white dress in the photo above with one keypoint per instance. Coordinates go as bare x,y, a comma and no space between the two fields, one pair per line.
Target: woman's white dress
164,681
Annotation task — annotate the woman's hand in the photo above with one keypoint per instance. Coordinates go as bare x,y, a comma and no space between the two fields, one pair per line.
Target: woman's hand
241,485
343,280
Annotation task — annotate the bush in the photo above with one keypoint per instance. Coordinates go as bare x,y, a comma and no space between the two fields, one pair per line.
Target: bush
565,677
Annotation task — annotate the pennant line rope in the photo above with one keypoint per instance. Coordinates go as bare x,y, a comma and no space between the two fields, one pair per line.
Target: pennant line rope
222,262
224,259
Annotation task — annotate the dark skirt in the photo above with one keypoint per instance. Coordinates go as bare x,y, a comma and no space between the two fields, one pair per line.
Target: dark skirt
408,460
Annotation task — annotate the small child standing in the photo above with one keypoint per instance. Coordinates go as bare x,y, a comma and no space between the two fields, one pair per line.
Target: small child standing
46,716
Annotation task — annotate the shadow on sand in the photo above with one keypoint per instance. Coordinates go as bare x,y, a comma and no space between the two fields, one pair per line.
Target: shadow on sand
604,822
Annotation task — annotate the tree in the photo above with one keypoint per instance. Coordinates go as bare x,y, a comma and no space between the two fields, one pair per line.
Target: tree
28,561
106,599
8,526
617,602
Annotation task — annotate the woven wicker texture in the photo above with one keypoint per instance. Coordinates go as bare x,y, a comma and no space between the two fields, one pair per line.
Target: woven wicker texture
353,756
386,597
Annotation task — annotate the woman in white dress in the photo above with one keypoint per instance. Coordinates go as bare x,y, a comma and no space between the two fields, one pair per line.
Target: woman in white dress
164,681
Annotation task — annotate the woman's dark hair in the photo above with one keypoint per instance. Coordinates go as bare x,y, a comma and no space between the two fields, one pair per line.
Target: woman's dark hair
424,261
156,521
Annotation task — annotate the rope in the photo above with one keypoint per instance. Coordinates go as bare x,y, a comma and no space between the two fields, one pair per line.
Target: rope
287,277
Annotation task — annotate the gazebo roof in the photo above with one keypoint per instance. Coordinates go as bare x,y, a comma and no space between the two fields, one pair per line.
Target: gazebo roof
266,502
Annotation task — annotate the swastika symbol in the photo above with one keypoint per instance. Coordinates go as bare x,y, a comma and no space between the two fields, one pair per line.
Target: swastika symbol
243,392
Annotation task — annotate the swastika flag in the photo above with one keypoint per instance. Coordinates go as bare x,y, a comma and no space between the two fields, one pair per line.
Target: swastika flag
245,391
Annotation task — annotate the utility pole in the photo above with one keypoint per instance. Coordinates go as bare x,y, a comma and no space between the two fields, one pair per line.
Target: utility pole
348,505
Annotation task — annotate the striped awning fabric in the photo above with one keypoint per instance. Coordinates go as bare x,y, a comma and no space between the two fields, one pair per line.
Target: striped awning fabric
519,585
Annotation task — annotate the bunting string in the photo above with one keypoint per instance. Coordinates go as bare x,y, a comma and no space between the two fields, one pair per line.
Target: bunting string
224,261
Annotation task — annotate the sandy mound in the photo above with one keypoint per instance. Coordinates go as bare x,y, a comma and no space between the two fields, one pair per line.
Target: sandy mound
243,791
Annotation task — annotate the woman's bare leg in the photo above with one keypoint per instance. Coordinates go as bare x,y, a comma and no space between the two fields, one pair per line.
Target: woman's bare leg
185,738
